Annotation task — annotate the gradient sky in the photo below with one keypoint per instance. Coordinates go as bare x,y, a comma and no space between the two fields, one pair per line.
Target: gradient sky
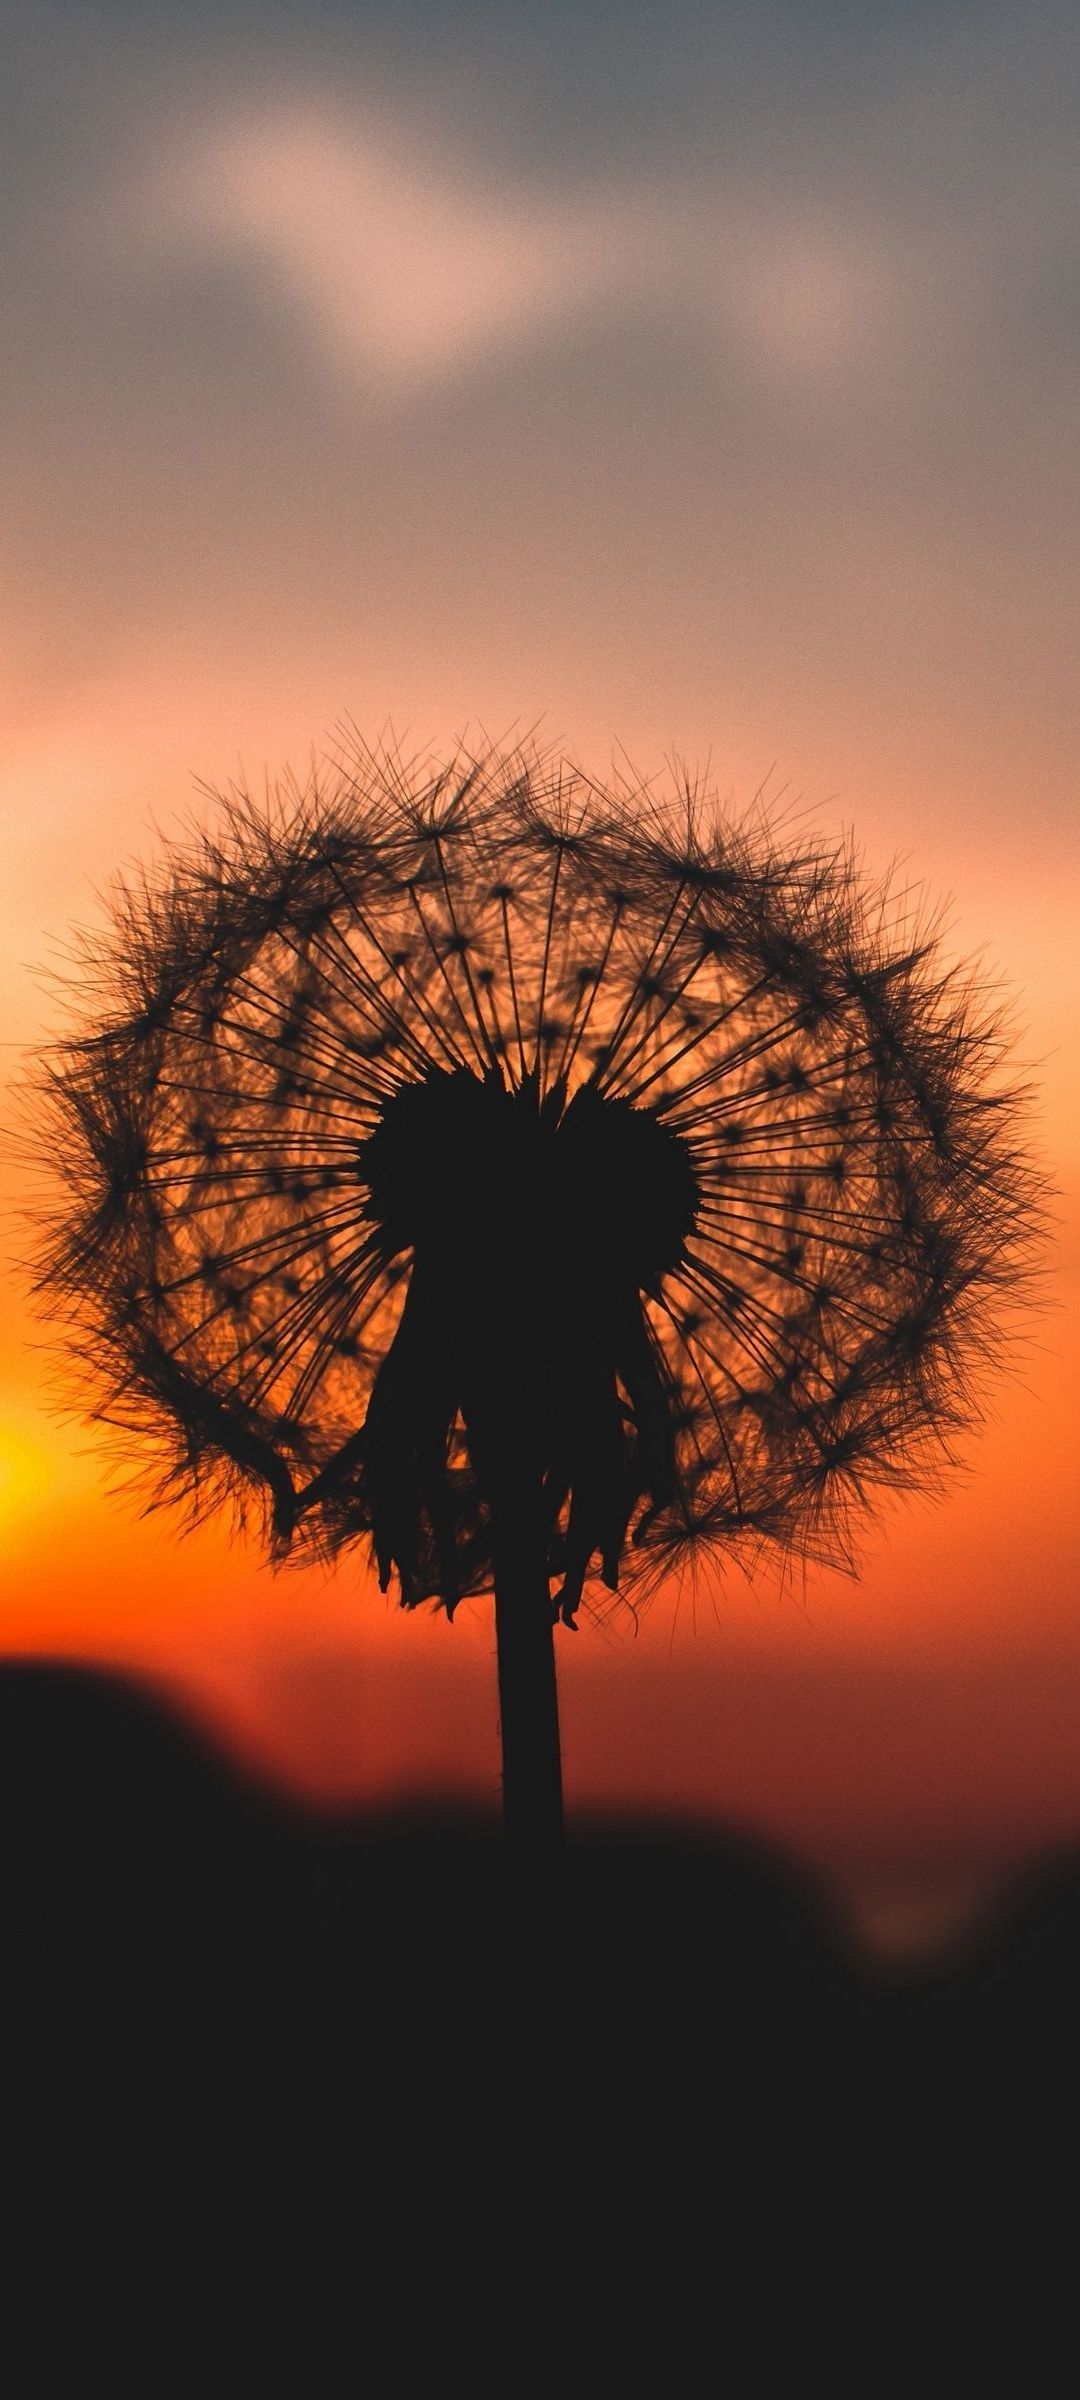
702,381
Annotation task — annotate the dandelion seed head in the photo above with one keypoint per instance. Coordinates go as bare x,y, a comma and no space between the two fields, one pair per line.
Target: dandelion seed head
443,1132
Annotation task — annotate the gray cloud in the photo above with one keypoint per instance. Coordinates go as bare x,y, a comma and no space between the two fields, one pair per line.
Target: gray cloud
399,260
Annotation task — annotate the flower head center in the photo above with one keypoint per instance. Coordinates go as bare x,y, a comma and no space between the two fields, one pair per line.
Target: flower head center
528,1205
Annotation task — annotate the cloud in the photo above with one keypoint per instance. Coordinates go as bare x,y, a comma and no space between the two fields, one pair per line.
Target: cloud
804,299
404,266
392,258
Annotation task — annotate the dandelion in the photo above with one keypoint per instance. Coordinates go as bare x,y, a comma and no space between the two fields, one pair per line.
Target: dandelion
544,1186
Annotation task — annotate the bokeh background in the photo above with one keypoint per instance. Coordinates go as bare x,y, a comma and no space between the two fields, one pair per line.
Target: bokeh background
696,380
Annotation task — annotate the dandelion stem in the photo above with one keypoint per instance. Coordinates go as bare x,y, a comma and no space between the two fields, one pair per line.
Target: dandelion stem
528,1697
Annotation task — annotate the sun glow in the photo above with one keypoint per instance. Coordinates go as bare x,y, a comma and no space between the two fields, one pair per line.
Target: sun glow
27,1478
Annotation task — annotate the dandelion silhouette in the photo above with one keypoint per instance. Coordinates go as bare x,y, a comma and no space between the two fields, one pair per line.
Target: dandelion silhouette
544,1185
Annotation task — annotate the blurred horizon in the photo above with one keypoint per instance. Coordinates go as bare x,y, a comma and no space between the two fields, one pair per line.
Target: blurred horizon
698,387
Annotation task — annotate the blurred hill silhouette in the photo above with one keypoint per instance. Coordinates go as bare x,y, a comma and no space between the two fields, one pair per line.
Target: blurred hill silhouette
330,2020
132,1854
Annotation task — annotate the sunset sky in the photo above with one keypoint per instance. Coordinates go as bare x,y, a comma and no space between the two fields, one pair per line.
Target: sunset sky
700,381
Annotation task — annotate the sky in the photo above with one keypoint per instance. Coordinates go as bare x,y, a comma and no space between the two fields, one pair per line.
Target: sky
698,383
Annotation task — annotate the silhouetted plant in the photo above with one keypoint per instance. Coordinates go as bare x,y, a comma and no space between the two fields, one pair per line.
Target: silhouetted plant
533,1180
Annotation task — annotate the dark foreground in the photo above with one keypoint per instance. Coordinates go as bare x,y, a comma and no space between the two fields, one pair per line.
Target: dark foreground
233,2026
